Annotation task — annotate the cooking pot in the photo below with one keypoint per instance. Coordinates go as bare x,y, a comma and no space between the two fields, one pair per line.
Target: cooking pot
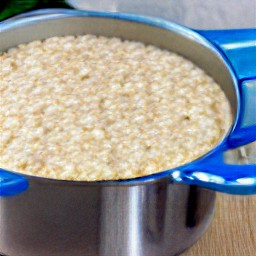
156,215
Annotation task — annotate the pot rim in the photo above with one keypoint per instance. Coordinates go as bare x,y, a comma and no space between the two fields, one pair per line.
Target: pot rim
53,14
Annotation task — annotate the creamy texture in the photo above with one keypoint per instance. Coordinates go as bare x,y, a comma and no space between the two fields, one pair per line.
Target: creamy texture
97,108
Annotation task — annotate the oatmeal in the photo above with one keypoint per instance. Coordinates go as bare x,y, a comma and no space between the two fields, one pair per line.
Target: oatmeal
96,108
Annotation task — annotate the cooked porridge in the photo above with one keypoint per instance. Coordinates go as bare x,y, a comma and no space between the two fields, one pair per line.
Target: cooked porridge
96,108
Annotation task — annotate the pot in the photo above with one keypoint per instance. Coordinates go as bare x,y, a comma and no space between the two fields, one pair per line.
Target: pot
156,215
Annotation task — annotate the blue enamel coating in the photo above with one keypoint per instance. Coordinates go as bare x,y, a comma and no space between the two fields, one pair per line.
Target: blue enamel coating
213,173
237,48
242,136
11,184
239,45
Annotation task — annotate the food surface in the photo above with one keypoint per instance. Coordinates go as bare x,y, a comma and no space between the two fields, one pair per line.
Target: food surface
96,108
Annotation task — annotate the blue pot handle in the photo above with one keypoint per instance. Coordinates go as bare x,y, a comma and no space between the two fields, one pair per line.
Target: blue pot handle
238,47
12,184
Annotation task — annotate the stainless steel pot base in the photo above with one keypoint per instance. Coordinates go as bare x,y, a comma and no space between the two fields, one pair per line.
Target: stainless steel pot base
155,219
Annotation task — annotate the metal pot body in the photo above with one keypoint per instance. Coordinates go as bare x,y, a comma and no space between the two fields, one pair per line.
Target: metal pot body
63,219
155,217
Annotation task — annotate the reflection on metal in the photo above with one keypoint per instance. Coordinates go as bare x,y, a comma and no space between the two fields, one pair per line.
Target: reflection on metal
155,219
235,45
